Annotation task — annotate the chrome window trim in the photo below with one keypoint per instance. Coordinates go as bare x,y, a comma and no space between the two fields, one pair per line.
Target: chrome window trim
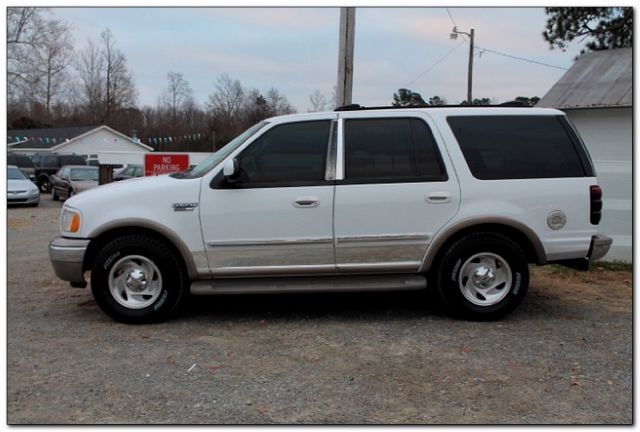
330,171
340,151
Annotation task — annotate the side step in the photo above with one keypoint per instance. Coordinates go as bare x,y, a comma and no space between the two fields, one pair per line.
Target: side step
304,284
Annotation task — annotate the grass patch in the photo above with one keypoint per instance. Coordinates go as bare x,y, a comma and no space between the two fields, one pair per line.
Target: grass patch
612,266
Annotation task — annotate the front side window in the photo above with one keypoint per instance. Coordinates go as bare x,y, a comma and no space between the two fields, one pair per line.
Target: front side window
292,154
391,150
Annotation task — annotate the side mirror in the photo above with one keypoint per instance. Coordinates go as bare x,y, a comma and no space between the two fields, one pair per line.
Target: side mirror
231,170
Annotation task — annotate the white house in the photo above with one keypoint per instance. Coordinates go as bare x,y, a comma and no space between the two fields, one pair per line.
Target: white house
86,141
597,96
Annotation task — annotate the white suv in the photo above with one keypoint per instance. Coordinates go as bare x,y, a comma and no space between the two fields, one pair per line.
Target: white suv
358,199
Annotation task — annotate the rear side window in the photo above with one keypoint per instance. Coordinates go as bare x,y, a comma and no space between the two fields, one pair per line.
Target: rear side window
50,161
390,150
517,147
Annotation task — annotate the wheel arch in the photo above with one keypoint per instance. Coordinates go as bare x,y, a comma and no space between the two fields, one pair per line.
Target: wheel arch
103,235
524,236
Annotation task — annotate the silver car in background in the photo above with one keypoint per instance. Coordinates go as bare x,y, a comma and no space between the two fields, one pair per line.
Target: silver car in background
20,190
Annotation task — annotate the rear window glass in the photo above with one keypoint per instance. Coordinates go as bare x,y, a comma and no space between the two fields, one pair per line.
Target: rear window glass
517,147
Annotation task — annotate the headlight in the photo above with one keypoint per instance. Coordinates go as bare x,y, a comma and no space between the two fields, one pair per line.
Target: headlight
70,221
34,191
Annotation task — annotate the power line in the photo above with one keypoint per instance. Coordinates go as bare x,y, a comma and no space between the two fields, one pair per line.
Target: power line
440,60
482,49
504,54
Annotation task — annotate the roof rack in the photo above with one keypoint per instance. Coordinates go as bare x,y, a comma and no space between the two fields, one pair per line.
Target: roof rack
357,107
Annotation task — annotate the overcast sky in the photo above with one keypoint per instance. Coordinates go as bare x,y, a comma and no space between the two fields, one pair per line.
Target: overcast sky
295,50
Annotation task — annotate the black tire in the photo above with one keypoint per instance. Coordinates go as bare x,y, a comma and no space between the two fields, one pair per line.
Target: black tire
451,265
43,184
54,194
173,291
70,193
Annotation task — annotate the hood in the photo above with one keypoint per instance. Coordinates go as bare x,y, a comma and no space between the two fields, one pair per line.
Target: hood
81,185
135,190
15,185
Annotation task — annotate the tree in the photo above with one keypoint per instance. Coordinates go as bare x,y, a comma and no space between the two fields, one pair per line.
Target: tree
90,67
120,91
178,94
318,101
406,97
278,103
527,101
478,101
25,32
52,57
437,100
227,100
603,27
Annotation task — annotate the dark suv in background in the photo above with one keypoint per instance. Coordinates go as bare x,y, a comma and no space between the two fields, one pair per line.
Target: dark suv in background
48,164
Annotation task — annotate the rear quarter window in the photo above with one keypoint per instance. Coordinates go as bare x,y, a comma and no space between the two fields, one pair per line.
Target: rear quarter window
518,147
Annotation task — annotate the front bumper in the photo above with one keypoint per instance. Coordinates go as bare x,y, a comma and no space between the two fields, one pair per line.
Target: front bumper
23,199
600,245
67,258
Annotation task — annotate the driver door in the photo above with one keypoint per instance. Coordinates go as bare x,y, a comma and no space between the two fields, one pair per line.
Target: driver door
276,219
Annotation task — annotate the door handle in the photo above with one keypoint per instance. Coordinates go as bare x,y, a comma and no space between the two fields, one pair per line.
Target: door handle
306,202
438,197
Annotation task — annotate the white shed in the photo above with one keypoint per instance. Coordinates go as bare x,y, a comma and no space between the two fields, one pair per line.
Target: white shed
596,94
86,141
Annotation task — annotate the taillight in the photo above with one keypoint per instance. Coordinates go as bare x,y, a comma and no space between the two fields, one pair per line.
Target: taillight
596,204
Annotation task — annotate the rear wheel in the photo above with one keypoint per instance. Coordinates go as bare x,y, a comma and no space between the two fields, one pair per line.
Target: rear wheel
483,276
43,184
138,279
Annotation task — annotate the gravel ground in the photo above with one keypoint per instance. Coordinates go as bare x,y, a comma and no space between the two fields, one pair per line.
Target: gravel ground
565,356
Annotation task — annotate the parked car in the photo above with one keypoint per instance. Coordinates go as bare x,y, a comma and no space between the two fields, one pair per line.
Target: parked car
47,164
73,179
359,199
23,162
20,190
130,171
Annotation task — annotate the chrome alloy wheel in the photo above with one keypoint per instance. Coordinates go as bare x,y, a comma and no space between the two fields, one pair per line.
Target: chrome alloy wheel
135,282
485,279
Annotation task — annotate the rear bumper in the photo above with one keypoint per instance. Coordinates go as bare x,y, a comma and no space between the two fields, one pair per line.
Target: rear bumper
67,258
599,247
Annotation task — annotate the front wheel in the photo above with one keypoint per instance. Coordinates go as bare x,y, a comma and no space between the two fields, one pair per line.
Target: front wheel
483,276
138,279
54,194
44,185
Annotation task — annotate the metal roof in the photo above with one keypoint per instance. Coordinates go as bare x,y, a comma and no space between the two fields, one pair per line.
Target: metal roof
35,137
597,79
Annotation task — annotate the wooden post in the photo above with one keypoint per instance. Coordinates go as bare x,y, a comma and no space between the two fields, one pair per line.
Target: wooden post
344,88
105,174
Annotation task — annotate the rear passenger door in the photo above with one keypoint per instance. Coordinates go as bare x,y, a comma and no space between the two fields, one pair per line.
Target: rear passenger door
395,188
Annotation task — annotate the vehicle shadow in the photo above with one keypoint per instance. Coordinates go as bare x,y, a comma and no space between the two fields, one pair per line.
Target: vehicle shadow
392,305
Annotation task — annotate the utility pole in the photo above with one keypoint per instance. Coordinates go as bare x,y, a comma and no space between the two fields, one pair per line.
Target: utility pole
470,73
454,35
344,89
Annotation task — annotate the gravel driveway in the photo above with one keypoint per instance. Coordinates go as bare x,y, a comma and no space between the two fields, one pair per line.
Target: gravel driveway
565,356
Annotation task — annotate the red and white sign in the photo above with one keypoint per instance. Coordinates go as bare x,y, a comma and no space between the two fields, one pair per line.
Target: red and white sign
164,163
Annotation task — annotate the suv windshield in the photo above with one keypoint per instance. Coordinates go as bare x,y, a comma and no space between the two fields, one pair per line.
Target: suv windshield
15,174
83,174
209,163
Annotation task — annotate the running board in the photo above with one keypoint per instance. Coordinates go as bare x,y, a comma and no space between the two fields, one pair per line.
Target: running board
304,284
